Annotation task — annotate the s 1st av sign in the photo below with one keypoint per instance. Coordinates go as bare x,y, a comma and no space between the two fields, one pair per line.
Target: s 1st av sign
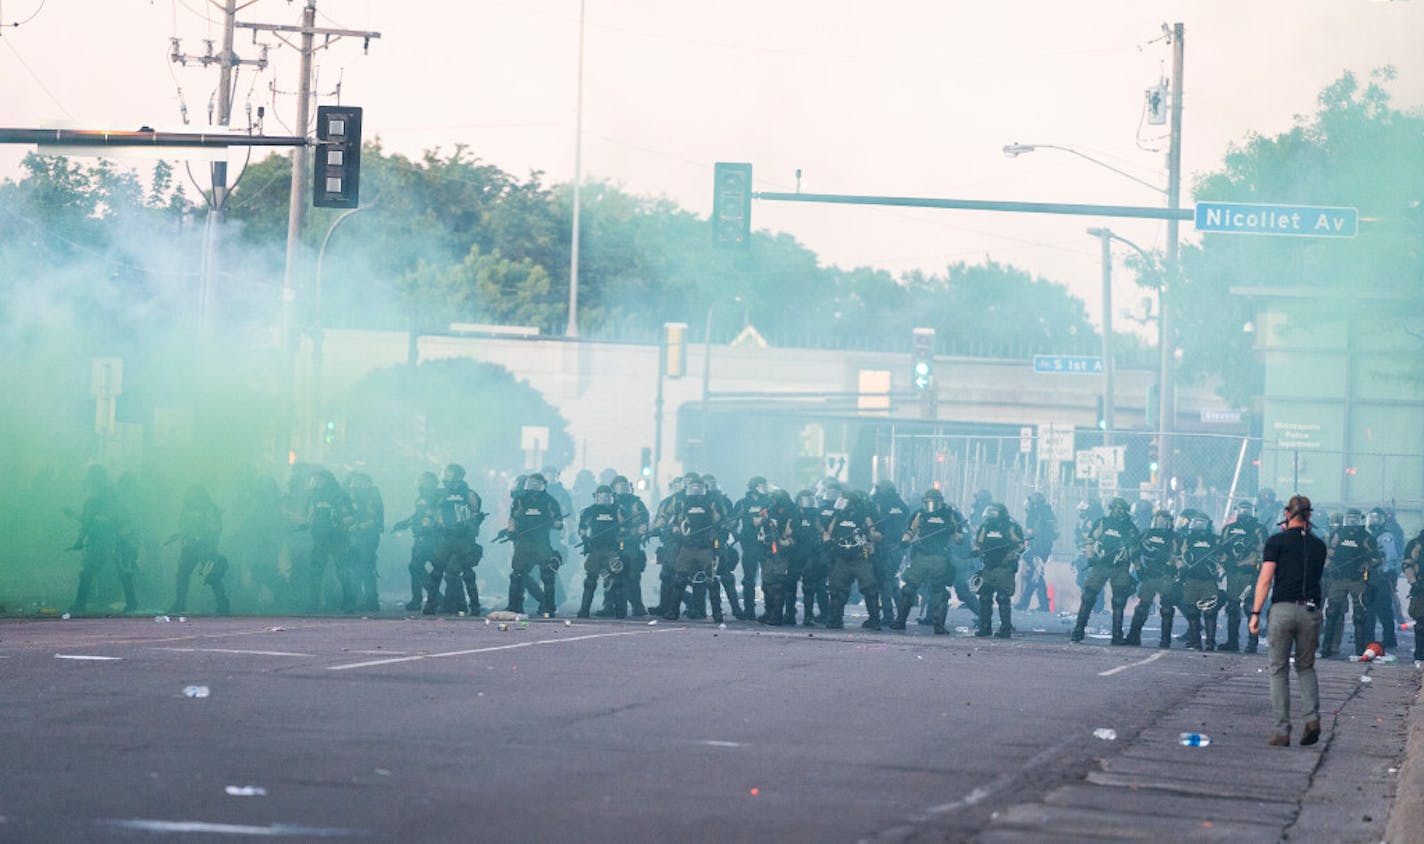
1283,220
1068,364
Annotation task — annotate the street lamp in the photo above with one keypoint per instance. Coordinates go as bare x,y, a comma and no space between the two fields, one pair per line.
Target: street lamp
318,333
707,368
1107,237
1014,150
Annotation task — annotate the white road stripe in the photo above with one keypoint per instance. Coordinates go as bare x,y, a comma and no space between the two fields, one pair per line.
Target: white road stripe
716,743
275,830
417,657
229,651
1112,671
88,657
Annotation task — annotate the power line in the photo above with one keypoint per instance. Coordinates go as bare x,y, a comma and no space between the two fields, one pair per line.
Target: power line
32,16
38,81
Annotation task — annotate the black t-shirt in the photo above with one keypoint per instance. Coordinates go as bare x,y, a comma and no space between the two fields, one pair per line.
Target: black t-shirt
1300,559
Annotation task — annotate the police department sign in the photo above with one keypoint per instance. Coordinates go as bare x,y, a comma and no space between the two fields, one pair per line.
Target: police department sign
1287,220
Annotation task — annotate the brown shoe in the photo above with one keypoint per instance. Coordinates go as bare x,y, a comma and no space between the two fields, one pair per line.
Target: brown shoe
1311,734
1281,740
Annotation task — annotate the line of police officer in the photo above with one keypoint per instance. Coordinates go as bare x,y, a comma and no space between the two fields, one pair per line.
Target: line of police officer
1201,572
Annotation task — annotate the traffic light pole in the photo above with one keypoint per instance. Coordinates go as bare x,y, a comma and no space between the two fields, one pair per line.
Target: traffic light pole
1130,211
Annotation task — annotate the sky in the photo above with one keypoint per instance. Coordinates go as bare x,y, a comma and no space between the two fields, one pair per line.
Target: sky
894,97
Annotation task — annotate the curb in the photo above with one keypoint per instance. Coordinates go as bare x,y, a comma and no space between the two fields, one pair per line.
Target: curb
1406,818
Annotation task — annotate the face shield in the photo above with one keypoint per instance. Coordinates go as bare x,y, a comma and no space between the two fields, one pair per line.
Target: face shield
805,501
695,489
1374,520
1198,523
622,487
603,497
534,484
1162,520
1353,519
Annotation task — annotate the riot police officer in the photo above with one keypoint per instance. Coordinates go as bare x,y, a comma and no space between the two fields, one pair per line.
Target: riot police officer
1352,555
802,539
1040,531
459,514
100,523
199,526
365,538
633,528
1110,548
776,567
930,532
329,519
828,492
893,516
1198,570
999,542
1413,566
535,515
1384,580
598,531
1157,579
423,531
1241,544
850,535
749,517
666,552
696,520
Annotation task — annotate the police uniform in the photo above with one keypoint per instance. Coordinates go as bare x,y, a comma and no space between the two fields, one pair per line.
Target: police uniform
1413,567
776,566
456,553
696,520
1156,581
1040,531
999,542
535,514
633,525
1241,543
329,519
199,526
749,517
1198,557
422,525
1111,545
1352,554
893,517
849,538
802,549
100,523
365,539
599,528
932,532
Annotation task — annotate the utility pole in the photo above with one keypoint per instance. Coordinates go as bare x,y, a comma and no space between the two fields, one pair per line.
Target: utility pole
297,204
1109,398
572,330
1166,393
226,60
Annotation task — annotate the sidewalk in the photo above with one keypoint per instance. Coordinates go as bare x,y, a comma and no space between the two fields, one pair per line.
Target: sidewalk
1341,790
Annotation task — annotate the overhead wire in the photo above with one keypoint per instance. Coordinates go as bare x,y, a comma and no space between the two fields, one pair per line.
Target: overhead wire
33,15
38,81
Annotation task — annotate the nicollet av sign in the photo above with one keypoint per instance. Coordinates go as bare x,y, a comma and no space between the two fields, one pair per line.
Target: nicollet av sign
1286,220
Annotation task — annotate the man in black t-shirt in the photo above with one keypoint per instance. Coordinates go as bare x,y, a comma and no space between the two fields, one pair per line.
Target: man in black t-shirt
1292,563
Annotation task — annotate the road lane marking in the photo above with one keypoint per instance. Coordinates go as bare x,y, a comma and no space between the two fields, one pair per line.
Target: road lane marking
89,657
229,651
417,657
275,830
1112,671
716,743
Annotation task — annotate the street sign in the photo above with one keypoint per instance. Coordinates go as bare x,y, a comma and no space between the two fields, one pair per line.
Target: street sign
1286,220
1025,439
1220,416
1069,364
1055,443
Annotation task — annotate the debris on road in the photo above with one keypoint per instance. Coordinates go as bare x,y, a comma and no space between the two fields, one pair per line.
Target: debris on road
246,791
196,691
1105,734
1194,740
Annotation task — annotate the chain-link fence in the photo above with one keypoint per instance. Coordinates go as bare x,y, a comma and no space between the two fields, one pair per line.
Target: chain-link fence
1209,472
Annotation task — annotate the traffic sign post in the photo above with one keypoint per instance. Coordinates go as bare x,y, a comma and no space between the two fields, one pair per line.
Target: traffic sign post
1283,220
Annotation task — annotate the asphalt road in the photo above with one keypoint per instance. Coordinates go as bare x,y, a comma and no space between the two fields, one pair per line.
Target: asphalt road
420,729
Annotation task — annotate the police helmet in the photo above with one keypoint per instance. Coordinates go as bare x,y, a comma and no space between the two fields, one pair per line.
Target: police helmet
934,499
1246,509
603,495
1161,520
1084,506
885,487
693,484
360,480
1118,507
994,510
621,486
1037,499
1354,518
830,489
675,485
1375,518
427,481
535,483
806,499
1198,521
756,483
453,472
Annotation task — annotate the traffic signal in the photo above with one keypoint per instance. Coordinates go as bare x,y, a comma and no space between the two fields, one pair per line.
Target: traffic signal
922,360
1154,462
674,349
337,174
330,436
647,469
1102,416
732,204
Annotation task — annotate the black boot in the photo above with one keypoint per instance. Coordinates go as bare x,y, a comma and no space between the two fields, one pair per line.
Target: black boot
808,606
937,617
748,600
220,595
1194,641
1139,618
714,599
516,593
835,617
872,606
902,611
1117,614
546,606
1210,622
775,604
1233,629
671,600
1085,609
1006,623
590,586
1168,616
986,610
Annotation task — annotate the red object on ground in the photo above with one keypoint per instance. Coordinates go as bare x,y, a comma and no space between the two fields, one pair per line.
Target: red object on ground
1372,650
1052,600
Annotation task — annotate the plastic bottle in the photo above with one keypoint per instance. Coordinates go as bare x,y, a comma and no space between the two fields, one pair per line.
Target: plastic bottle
1194,740
195,691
